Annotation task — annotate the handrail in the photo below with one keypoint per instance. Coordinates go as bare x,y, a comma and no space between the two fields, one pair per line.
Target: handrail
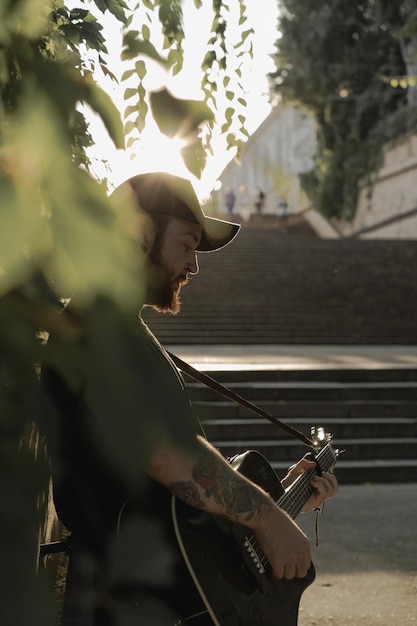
389,220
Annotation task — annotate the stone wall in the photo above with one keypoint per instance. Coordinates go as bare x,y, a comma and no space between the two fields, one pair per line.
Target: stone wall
282,148
394,193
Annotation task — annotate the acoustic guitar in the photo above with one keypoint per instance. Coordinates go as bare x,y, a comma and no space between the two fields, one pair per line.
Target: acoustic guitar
232,584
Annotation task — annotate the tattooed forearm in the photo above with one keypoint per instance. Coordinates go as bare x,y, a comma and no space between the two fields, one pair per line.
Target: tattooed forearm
188,493
239,500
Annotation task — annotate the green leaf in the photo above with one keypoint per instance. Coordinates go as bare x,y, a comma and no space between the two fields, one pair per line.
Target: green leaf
229,114
128,74
142,108
93,254
246,34
26,18
116,7
140,122
130,92
140,68
130,110
177,117
102,104
17,228
101,4
4,68
134,47
175,60
208,60
129,126
194,157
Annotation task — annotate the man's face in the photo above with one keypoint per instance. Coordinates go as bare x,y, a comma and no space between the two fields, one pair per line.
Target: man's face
171,259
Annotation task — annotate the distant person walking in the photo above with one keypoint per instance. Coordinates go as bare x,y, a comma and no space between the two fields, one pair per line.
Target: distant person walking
230,202
259,200
282,207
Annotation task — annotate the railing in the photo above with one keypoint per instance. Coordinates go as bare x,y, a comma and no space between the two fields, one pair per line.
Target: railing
381,224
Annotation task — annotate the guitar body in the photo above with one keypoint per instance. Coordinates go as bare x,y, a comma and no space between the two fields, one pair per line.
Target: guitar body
231,589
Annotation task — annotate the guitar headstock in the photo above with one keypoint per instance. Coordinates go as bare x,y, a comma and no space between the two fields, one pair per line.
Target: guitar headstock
327,455
320,437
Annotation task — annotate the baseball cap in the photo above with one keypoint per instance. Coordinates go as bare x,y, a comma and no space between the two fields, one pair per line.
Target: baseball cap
160,193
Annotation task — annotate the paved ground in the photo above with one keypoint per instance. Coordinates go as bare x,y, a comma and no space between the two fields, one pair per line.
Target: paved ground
366,561
289,357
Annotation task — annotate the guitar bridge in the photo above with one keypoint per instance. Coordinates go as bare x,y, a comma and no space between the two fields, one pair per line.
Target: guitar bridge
251,549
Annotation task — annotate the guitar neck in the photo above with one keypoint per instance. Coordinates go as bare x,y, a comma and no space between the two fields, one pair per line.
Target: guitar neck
294,499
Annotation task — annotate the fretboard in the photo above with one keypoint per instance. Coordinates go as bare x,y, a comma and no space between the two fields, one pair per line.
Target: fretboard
293,500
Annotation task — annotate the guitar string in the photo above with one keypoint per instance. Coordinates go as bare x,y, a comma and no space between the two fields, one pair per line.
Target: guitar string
326,457
295,498
289,502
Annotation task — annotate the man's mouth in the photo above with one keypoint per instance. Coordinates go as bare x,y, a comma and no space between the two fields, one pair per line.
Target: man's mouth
182,280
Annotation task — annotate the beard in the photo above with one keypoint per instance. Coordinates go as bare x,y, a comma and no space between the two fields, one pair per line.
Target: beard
163,286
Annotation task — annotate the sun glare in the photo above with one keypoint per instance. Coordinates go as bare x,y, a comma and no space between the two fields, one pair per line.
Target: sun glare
160,152
153,151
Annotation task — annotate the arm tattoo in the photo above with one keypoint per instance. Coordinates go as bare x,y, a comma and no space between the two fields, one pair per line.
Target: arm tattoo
188,493
238,499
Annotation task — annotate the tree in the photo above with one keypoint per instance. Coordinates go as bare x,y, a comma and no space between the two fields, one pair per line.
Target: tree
61,235
407,36
339,60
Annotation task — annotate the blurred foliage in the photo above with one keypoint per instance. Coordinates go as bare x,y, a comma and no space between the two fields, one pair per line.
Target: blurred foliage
184,121
341,60
61,235
221,73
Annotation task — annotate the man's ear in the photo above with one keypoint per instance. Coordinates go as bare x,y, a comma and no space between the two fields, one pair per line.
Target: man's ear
148,239
146,232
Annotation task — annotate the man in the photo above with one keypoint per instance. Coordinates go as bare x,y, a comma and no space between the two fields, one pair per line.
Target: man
172,229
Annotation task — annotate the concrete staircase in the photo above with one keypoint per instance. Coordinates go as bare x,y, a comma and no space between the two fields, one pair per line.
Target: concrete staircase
274,287
279,284
372,415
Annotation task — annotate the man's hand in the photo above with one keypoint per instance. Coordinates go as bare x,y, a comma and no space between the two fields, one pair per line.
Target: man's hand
324,486
285,546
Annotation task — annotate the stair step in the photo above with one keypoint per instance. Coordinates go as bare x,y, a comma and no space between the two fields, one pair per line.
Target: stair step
367,448
267,288
309,410
248,428
372,471
372,415
284,392
400,374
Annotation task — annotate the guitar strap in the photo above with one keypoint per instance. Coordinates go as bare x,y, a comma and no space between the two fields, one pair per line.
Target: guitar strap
225,391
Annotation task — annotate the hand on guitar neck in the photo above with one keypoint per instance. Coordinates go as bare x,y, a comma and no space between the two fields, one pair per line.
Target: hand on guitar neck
324,484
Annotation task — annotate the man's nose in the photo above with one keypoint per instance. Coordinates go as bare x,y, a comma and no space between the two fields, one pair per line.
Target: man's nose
193,265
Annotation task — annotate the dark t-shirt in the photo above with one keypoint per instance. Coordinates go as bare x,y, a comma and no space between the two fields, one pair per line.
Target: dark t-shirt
99,438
